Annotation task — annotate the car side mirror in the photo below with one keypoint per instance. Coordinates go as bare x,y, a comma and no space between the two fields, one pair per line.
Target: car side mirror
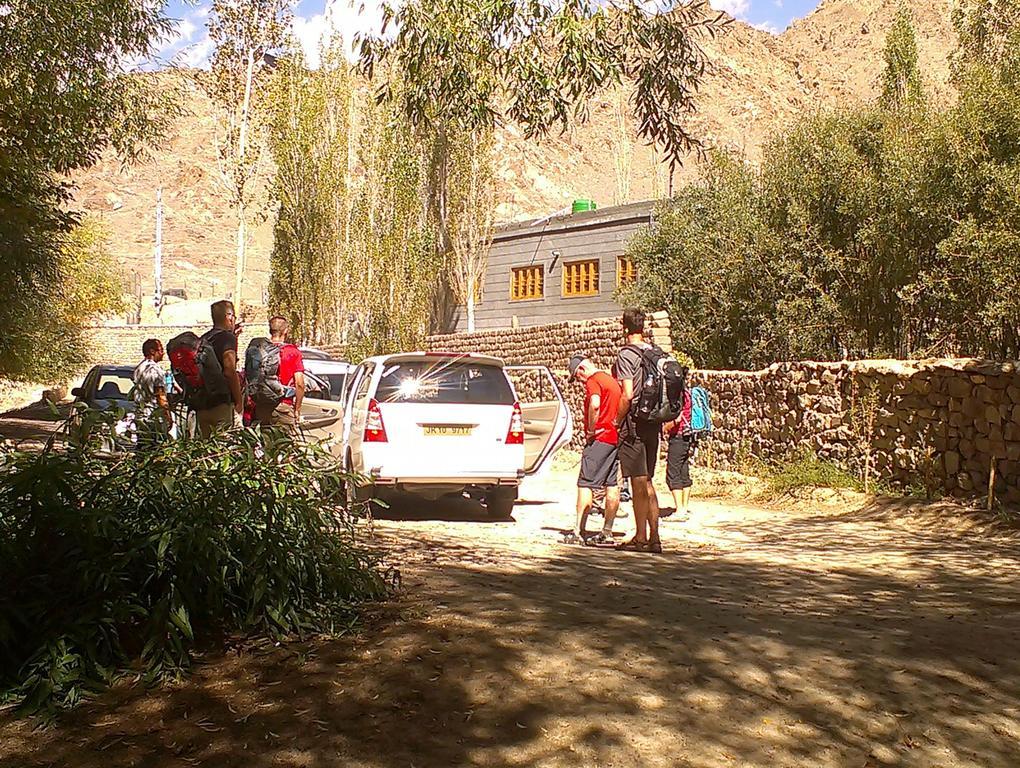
77,392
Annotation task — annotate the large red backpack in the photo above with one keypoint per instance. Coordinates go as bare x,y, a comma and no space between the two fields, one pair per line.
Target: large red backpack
196,369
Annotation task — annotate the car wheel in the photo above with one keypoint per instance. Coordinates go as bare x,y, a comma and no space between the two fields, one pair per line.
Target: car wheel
499,503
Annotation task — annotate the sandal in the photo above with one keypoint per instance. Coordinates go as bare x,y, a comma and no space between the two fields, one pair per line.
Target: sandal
654,546
633,545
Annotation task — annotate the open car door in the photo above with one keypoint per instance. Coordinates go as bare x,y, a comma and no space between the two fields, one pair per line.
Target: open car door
548,425
321,417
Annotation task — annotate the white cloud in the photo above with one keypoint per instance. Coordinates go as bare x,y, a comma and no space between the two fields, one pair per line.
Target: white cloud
736,8
184,30
340,17
767,26
197,56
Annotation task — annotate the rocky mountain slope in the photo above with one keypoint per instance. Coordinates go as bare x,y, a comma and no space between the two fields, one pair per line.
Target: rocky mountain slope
756,84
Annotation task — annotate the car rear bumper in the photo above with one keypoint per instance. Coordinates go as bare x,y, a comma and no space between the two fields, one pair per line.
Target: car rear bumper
381,477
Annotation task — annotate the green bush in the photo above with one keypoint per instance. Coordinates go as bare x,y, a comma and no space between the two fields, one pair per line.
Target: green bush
804,469
136,559
883,229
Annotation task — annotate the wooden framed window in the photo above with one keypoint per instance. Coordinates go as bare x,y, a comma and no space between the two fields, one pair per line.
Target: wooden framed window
527,282
581,278
626,272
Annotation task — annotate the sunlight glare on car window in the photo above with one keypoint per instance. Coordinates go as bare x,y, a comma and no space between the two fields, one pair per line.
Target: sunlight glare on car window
408,388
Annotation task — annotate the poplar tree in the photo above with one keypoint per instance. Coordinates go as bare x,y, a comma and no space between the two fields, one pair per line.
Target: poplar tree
245,33
901,80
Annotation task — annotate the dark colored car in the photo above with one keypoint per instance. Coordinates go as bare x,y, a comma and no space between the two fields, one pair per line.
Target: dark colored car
107,386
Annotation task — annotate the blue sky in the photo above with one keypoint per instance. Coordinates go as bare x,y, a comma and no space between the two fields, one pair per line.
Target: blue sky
190,45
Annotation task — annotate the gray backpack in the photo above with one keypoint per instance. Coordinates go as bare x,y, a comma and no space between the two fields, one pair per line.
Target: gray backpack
262,373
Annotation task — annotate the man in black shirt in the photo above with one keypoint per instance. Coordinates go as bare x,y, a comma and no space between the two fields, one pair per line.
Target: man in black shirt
639,442
223,411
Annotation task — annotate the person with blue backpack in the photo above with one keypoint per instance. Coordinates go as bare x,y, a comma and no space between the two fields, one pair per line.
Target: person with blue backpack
682,436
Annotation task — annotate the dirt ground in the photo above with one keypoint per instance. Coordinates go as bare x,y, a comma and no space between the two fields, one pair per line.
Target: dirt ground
834,633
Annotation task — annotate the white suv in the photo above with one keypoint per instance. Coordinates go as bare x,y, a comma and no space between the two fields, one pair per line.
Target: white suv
443,423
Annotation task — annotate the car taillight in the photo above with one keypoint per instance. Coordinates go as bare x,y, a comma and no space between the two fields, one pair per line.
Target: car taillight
375,431
515,435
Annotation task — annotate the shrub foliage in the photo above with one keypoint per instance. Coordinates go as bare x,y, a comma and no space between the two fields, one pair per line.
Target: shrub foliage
110,561
886,229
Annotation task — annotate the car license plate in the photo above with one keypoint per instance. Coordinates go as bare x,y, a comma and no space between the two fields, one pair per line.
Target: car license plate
446,430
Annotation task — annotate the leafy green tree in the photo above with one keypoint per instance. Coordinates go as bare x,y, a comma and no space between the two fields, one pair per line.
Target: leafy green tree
66,99
472,208
87,275
244,32
357,258
885,229
471,64
309,139
901,80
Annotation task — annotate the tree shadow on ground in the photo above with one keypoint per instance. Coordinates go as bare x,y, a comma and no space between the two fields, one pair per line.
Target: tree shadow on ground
602,658
33,424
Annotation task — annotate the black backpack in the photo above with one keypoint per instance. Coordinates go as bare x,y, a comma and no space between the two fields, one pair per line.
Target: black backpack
197,370
663,382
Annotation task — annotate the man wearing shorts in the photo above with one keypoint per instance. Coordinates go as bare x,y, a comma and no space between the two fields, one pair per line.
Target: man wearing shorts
639,441
599,463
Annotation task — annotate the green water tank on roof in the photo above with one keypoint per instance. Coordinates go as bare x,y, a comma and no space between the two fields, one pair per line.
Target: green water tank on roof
580,206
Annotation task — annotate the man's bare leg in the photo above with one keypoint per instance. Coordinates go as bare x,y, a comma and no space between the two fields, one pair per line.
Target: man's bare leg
639,492
652,515
612,507
685,499
584,499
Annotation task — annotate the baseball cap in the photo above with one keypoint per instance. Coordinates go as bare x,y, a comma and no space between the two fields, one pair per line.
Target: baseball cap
574,364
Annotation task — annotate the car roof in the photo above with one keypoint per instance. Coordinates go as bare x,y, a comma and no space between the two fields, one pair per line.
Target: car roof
311,353
410,357
314,364
117,370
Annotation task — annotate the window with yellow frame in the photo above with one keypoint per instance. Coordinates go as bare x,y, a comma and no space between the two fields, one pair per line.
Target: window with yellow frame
626,272
527,282
581,278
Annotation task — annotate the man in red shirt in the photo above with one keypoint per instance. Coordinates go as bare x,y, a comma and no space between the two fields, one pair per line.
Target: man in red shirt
287,413
600,462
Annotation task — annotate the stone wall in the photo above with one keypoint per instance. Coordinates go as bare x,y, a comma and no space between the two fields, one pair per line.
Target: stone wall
552,345
122,344
938,422
941,423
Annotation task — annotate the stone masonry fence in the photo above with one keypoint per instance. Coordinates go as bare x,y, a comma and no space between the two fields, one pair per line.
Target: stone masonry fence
941,424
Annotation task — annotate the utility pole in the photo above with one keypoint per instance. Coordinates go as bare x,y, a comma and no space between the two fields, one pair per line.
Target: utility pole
157,296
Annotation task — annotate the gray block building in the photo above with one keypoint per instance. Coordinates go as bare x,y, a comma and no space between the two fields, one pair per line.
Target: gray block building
565,268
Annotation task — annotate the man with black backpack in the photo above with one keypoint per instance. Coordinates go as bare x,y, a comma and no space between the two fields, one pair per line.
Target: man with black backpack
652,385
221,409
205,369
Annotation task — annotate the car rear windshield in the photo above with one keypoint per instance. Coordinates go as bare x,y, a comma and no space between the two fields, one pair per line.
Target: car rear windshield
442,381
113,386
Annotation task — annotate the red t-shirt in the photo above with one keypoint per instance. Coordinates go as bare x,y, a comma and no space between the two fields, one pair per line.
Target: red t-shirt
609,392
291,362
